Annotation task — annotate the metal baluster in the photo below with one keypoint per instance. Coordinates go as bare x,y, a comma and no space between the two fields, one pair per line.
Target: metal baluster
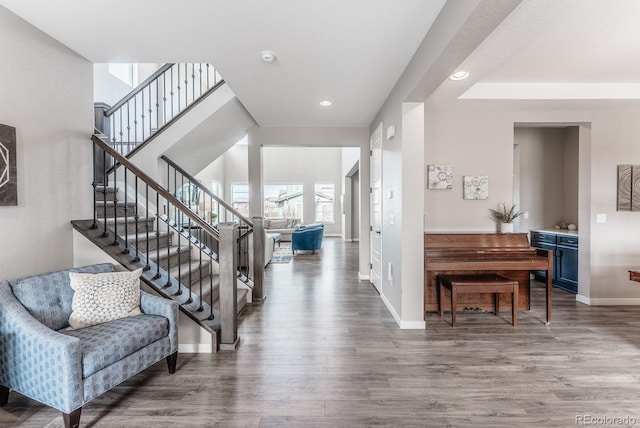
164,98
150,109
157,275
179,88
115,205
136,217
171,92
112,122
95,185
128,128
211,316
126,214
190,299
158,104
193,82
142,112
121,133
105,181
200,77
147,225
168,284
200,265
186,85
207,68
135,121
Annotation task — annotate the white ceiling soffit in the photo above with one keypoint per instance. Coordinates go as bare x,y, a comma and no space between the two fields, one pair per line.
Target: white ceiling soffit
350,52
557,50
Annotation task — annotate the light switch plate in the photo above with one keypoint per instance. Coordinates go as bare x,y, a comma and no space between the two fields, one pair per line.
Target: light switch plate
601,218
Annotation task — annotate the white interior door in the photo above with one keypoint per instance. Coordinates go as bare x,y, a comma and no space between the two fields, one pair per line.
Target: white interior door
376,207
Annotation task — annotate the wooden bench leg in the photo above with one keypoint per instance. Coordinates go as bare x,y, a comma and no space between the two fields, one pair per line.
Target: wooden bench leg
440,296
454,305
496,296
514,305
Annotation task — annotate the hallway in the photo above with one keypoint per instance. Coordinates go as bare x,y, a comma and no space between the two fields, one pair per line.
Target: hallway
323,351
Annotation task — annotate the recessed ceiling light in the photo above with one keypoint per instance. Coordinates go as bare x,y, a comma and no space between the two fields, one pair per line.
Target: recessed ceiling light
267,56
325,103
459,75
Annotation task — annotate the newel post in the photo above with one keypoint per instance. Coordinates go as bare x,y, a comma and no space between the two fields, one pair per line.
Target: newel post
228,292
259,239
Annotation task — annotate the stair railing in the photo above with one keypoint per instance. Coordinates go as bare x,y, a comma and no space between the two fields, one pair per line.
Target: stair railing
213,209
151,199
158,101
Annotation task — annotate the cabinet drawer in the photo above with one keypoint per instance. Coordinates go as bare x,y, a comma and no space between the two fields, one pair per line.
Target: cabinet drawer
538,237
569,241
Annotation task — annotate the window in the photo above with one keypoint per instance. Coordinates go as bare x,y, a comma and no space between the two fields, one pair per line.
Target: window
283,200
240,198
126,72
325,197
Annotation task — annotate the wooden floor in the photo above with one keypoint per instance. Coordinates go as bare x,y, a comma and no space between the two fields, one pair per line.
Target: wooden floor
323,351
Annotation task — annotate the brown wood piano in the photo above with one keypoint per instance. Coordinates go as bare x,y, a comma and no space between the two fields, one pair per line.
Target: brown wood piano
507,254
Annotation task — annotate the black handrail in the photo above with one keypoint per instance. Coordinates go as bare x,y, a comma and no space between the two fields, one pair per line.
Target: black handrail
98,139
156,103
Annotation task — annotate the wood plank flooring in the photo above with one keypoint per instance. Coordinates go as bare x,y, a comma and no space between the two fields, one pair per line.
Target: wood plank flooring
323,351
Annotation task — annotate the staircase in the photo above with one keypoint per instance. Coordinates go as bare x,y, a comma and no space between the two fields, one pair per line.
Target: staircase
141,223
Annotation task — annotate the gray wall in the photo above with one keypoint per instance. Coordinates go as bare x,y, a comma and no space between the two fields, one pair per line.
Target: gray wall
47,95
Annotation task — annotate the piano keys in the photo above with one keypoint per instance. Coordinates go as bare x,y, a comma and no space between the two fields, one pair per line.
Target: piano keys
508,254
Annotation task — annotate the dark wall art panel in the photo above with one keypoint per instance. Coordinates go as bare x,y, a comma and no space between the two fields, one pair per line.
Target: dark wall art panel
8,176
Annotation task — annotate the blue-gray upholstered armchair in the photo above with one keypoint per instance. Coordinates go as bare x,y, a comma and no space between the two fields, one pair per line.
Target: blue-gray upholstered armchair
66,369
307,238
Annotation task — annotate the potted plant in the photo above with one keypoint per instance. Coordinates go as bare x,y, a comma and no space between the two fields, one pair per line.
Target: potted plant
505,217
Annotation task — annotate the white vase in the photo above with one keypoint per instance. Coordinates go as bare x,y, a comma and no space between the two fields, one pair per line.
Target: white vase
506,227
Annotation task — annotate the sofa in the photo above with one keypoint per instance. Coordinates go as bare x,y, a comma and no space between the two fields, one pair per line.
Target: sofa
41,358
307,238
283,226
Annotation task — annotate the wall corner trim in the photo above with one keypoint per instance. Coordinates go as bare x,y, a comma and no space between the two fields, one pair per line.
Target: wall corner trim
404,325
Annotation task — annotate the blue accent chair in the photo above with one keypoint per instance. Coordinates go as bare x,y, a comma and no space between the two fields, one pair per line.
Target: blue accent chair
66,369
308,238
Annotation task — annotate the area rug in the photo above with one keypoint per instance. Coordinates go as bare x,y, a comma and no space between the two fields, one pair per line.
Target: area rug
282,255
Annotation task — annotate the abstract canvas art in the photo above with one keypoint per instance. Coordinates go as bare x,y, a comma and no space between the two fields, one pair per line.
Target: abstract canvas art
628,188
439,176
8,177
476,187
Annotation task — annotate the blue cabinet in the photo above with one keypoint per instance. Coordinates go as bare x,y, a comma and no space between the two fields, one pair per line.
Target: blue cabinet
565,258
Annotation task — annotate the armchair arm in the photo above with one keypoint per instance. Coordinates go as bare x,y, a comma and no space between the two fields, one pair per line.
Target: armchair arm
36,361
155,305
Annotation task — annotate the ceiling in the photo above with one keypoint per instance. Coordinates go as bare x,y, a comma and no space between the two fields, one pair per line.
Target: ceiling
353,52
567,50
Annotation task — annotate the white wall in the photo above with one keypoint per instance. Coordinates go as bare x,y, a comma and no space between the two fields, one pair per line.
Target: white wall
47,95
109,89
290,165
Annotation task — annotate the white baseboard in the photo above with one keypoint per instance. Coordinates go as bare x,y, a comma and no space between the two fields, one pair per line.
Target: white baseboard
583,299
404,325
195,348
620,301
362,277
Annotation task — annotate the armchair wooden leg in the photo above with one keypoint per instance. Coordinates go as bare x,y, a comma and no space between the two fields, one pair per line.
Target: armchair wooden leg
72,420
171,362
4,395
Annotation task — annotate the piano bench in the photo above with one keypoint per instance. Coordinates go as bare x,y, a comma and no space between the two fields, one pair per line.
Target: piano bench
478,283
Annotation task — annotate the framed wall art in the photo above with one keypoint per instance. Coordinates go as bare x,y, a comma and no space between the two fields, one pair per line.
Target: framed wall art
439,177
475,187
628,196
8,176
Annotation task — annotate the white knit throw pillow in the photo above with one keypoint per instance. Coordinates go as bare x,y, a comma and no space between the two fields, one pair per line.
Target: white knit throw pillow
103,297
